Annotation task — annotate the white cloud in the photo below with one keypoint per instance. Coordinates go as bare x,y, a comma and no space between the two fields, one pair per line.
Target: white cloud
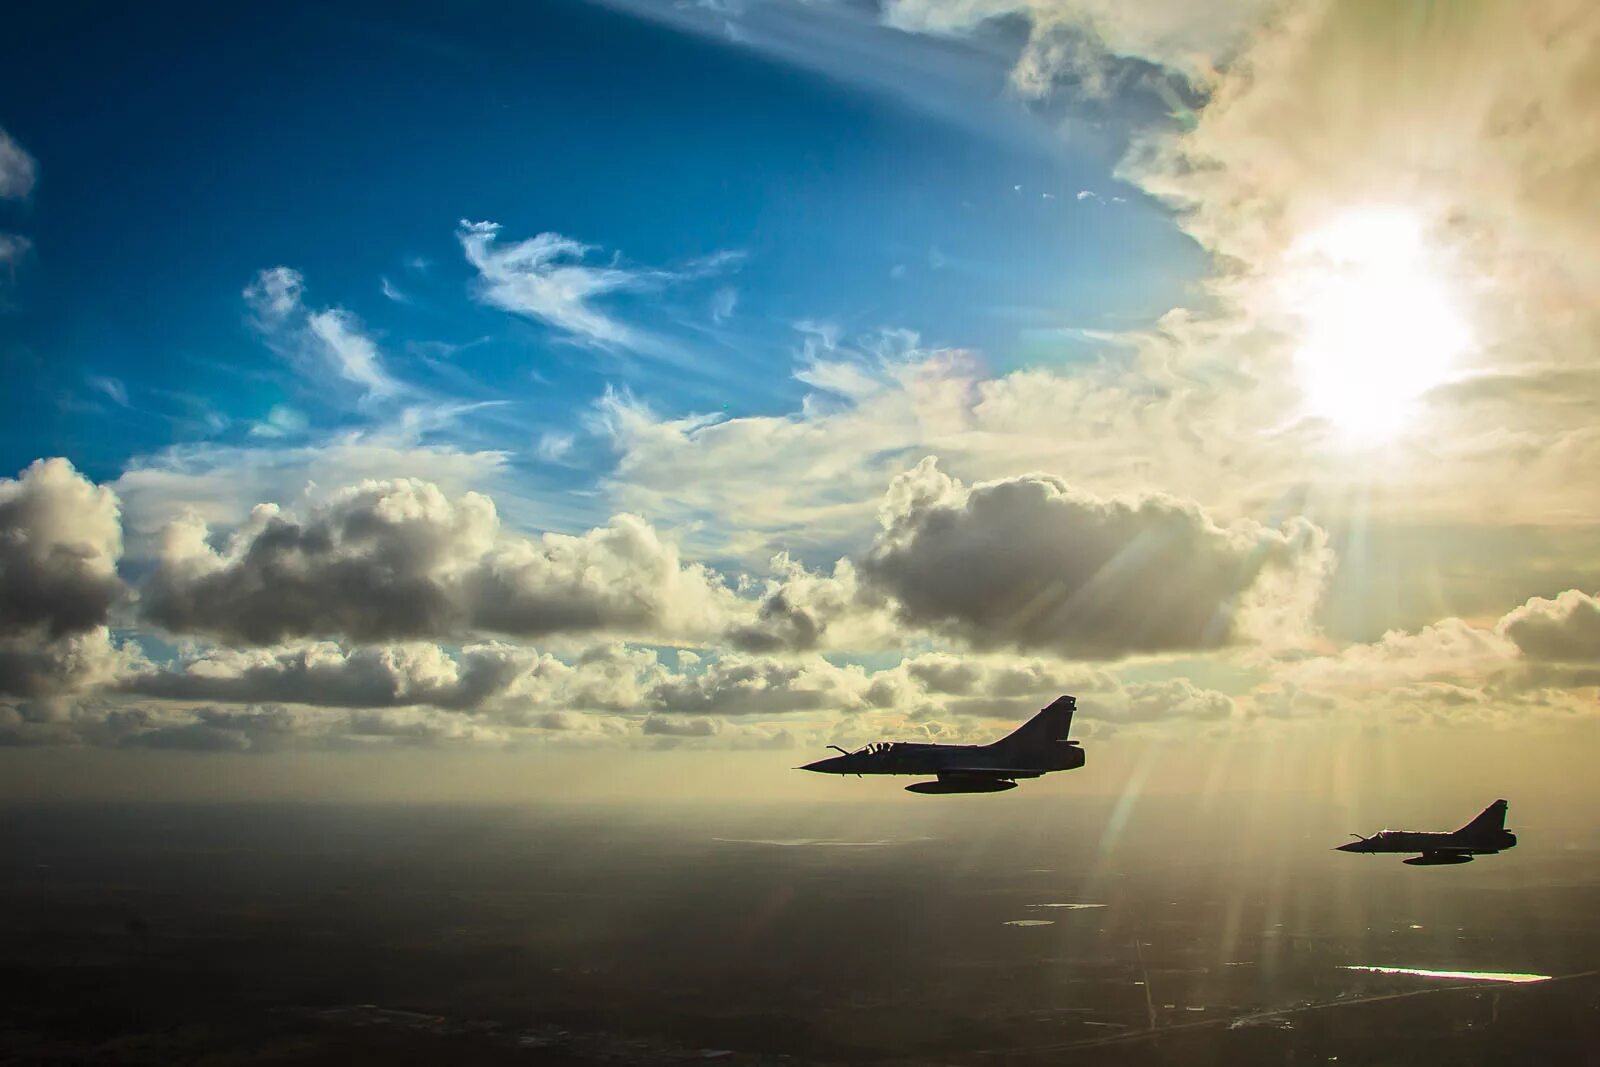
60,539
221,484
392,292
400,559
1078,41
330,675
353,353
13,247
545,278
553,447
318,341
281,421
111,387
18,170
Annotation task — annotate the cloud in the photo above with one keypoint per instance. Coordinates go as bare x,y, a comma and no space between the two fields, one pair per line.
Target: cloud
60,539
545,278
1079,42
1032,563
223,730
221,483
1448,650
35,667
741,685
111,387
723,302
281,421
353,354
1175,698
657,725
393,293
1564,630
553,447
13,247
18,170
804,482
329,675
318,341
801,610
401,560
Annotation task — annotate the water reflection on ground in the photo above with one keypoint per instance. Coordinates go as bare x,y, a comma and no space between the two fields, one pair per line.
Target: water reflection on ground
1472,976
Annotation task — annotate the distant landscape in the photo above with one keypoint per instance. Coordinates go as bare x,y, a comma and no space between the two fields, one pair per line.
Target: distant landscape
889,933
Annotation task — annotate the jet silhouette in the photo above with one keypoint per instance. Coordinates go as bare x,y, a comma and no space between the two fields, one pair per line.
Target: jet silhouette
1483,836
1035,748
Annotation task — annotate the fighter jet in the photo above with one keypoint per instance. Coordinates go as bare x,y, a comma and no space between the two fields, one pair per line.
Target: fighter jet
1037,747
1483,836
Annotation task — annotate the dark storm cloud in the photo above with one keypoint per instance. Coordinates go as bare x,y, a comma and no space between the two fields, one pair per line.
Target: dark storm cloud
1031,563
398,560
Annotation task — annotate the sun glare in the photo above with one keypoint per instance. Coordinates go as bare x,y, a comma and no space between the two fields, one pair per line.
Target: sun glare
1380,324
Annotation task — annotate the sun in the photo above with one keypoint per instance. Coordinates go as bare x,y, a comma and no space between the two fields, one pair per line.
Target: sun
1379,320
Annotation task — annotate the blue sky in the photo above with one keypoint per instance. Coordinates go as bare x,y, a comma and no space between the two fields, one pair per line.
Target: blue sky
179,157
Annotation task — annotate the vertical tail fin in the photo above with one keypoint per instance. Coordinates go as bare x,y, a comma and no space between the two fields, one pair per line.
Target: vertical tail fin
1491,820
1050,725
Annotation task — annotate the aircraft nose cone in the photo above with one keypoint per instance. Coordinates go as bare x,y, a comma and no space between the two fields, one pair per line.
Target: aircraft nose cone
823,766
1353,846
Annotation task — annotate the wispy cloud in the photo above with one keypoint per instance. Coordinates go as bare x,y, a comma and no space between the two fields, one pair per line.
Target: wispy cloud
329,339
111,387
390,291
18,170
281,421
545,278
723,302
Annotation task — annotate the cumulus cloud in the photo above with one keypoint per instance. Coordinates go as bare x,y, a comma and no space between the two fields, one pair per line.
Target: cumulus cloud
1565,630
801,610
755,685
33,667
397,560
1175,698
60,539
326,674
1448,650
1031,563
221,484
1079,41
